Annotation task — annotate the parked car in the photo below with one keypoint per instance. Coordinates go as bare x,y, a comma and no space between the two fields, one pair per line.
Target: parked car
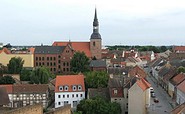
156,100
151,90
153,95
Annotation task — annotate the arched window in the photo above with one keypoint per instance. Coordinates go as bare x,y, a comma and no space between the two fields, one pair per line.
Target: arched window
94,44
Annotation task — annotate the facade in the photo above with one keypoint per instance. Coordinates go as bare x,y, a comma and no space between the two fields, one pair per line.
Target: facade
69,89
27,94
6,55
181,93
56,58
92,49
139,97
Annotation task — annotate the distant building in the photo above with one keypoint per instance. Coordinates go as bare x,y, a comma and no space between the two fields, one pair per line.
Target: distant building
92,49
6,55
69,89
56,58
98,65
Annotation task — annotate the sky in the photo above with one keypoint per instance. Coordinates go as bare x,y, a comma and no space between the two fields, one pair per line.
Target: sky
122,22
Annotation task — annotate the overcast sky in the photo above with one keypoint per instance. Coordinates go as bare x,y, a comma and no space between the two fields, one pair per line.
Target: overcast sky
125,22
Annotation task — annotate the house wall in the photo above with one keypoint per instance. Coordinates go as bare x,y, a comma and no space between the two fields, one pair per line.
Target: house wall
171,89
70,99
28,59
136,100
180,97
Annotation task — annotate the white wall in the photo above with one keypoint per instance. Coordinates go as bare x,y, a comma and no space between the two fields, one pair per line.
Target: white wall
70,99
180,97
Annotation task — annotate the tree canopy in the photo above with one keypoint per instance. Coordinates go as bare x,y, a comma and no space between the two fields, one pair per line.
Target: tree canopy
96,79
181,69
98,105
79,62
40,75
15,65
6,80
25,75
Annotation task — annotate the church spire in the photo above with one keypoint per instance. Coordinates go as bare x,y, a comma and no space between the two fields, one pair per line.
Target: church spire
95,34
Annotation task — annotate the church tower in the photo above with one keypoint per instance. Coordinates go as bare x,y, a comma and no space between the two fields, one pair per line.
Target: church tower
95,40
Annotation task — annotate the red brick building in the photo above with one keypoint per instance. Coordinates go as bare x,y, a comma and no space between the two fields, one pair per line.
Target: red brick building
57,58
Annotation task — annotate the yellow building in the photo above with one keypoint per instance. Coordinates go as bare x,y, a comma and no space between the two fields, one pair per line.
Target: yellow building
6,55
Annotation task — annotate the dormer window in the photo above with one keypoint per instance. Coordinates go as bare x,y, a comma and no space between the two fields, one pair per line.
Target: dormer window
74,87
79,88
66,88
60,88
115,91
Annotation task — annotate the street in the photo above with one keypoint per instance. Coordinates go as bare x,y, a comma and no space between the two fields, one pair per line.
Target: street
164,106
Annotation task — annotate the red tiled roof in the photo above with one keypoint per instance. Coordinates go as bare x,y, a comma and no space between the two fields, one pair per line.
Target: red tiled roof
143,84
5,50
137,71
178,78
31,50
181,86
9,88
30,88
69,80
179,48
77,46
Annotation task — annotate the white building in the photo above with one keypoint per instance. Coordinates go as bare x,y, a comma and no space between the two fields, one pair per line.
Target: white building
69,89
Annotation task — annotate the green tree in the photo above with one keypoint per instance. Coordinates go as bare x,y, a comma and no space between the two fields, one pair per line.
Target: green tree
96,79
79,62
6,80
98,105
181,69
3,69
40,75
25,75
163,48
15,65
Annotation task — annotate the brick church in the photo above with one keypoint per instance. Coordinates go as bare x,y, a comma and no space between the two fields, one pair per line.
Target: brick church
92,49
58,56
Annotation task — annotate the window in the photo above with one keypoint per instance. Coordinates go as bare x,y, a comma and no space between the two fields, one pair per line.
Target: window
74,88
66,88
36,64
115,91
72,95
59,56
58,61
67,64
51,64
47,63
36,58
54,58
67,69
60,88
64,69
79,87
43,63
76,95
94,44
48,58
63,96
58,103
64,64
67,96
39,64
58,66
58,96
51,58
81,95
43,58
39,58
54,69
54,64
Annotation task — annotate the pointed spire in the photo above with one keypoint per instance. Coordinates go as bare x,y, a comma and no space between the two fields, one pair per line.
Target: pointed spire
95,23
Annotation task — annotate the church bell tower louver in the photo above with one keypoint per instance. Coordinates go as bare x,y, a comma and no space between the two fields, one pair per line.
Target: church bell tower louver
95,40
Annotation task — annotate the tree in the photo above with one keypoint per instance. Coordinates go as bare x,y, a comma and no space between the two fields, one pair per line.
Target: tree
96,79
79,62
40,75
163,48
6,80
25,75
3,69
181,69
15,65
98,105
